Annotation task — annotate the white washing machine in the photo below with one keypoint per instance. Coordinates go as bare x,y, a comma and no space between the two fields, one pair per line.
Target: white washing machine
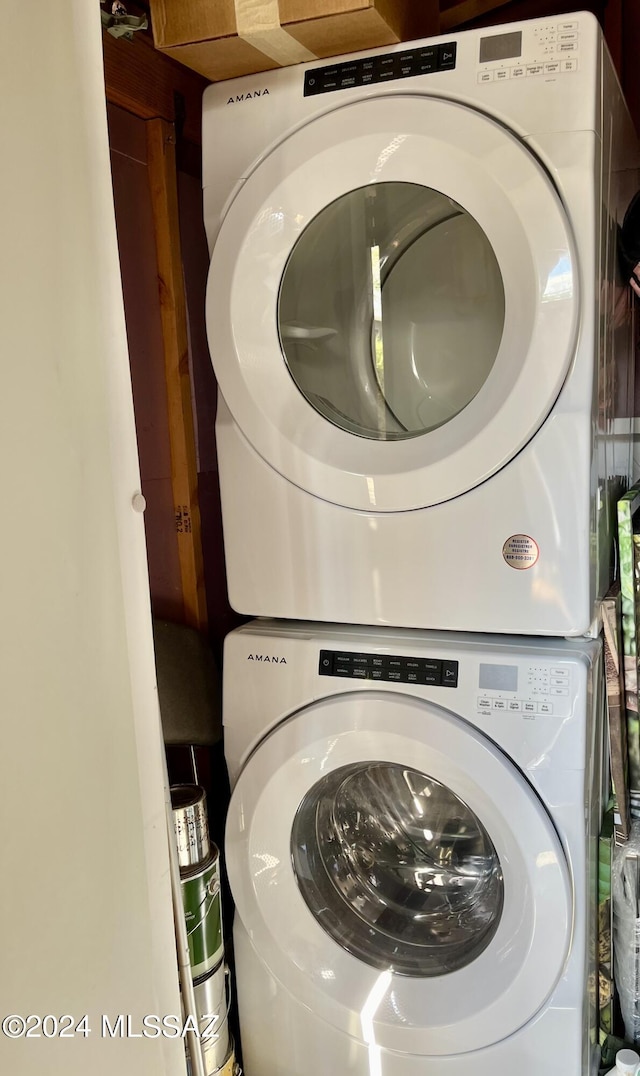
412,850
410,315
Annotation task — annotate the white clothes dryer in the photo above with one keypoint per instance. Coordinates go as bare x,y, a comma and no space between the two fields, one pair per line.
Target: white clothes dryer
410,312
411,849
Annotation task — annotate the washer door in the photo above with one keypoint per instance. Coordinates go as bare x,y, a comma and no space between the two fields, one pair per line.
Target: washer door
392,303
397,874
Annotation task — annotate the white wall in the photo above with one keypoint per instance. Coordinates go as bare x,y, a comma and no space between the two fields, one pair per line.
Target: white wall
85,909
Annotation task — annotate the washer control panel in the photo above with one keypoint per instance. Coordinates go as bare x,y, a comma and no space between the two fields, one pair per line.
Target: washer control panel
421,60
388,667
527,690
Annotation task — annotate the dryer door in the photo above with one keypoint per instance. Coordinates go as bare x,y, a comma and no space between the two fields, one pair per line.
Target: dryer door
392,303
397,874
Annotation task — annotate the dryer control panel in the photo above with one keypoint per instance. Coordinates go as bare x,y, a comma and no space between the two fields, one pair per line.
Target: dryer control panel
543,48
388,667
421,60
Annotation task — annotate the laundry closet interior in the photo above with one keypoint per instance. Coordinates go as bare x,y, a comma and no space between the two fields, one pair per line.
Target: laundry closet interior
322,460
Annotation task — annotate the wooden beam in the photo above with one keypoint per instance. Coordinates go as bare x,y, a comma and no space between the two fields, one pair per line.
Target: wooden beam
161,161
465,14
630,39
613,32
466,11
145,82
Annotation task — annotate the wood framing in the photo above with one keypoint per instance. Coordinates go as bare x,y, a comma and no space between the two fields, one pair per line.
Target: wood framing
146,83
184,478
459,13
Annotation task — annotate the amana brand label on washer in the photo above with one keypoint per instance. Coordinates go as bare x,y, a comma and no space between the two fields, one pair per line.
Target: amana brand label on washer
520,552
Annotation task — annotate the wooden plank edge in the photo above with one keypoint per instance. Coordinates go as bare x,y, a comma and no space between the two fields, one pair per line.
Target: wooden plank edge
184,477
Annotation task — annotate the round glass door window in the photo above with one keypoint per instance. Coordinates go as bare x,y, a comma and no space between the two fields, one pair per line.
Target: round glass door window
391,310
397,869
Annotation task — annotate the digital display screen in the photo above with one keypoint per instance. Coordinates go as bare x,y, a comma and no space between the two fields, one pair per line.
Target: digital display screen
499,677
501,47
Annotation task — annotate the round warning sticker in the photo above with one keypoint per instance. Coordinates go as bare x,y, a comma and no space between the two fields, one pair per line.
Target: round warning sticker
520,552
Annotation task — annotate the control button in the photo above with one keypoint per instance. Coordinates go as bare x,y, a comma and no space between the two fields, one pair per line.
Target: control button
312,84
545,708
499,704
484,703
559,681
360,659
559,672
514,704
411,677
568,35
385,67
431,671
348,75
567,26
559,691
329,78
530,707
502,75
412,663
326,663
342,670
447,56
377,661
518,72
377,674
394,663
449,673
394,674
344,658
568,46
360,673
427,60
552,69
406,64
535,69
569,65
486,76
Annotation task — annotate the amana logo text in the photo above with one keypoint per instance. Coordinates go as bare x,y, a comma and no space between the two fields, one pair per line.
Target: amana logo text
248,96
273,660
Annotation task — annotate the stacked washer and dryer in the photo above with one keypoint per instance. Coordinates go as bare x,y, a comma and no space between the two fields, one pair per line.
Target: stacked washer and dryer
423,353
